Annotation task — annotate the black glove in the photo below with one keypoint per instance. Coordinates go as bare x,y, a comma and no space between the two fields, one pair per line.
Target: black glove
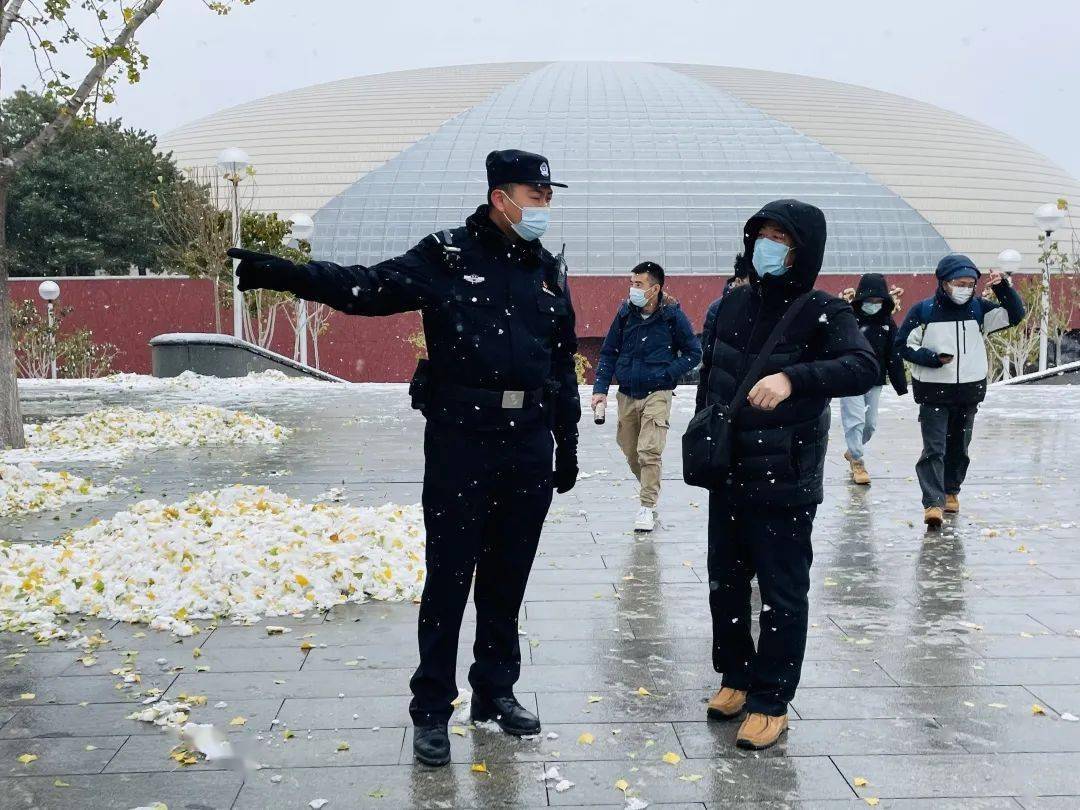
262,271
566,470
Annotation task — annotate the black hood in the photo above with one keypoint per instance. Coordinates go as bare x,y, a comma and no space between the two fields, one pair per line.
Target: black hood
806,224
873,285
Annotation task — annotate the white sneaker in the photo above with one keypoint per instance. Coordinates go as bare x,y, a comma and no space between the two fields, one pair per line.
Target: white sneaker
645,520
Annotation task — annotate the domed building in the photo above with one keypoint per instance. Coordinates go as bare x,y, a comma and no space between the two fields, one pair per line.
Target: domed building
663,162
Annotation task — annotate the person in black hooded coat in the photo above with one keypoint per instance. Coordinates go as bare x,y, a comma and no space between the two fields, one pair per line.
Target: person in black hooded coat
760,521
873,305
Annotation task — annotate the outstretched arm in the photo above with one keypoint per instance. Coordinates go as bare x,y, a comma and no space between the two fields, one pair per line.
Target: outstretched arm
400,284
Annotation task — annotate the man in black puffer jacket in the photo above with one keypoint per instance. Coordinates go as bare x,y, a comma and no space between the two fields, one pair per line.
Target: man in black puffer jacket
760,523
873,304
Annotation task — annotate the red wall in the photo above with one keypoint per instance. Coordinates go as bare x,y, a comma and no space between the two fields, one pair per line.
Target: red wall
128,311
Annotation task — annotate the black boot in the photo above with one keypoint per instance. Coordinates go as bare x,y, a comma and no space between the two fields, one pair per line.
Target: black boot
431,744
512,717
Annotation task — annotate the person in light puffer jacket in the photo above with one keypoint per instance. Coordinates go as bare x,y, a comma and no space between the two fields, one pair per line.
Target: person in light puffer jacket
944,338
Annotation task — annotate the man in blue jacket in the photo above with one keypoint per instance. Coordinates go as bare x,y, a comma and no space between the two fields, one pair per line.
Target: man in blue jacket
944,339
649,346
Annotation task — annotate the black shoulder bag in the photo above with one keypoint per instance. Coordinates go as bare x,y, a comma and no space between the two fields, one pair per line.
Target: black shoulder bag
707,442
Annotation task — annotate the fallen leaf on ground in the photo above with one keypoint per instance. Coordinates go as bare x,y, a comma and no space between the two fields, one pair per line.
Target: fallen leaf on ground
641,690
859,781
671,758
479,767
586,738
595,698
26,759
691,777
622,785
1037,709
238,721
459,730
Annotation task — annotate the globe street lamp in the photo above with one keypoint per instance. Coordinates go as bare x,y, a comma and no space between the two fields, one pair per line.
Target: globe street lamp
1048,218
49,291
301,227
232,162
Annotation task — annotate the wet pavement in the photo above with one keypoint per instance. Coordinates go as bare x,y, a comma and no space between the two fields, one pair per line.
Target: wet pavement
928,653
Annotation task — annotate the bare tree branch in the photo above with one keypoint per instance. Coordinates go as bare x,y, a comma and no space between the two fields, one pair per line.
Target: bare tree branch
11,11
72,106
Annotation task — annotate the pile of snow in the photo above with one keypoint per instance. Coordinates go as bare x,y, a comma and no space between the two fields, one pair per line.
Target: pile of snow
237,553
25,488
111,433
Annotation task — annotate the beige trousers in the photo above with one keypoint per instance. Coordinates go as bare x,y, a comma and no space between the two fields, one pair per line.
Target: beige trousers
642,434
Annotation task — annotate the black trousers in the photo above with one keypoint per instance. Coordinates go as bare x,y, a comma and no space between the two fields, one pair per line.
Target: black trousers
774,544
485,499
943,465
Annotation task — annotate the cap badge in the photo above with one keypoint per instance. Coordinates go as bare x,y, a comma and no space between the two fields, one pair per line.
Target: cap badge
544,170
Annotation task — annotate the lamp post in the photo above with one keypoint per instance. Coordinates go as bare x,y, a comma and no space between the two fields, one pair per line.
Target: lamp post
301,226
232,162
1008,262
49,291
1048,218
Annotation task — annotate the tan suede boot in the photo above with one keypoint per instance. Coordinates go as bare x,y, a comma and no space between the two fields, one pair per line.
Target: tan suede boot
952,504
727,704
933,516
760,731
859,475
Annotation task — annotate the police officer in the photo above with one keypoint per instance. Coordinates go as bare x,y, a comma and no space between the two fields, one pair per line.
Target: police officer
499,393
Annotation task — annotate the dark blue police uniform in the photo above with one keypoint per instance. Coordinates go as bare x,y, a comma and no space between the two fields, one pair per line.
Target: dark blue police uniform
499,392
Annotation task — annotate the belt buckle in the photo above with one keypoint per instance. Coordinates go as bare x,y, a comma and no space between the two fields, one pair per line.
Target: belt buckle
513,399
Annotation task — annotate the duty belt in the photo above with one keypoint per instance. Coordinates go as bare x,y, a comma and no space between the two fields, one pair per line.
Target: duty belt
492,399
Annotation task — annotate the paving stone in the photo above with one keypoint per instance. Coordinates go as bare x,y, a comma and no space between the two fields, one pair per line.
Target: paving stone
455,786
910,701
205,791
58,756
955,776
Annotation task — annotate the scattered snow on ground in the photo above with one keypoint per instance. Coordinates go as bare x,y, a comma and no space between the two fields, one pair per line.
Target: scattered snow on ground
188,380
238,553
112,433
25,488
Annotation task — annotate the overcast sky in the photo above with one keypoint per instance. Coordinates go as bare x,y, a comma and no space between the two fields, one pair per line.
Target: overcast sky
998,61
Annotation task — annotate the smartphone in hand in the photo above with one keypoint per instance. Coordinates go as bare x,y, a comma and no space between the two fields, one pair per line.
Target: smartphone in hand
945,358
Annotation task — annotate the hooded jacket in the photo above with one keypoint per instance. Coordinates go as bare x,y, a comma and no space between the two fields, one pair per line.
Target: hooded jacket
879,330
779,455
939,325
647,354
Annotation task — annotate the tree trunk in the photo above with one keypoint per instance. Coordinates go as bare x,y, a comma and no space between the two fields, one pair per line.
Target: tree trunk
11,425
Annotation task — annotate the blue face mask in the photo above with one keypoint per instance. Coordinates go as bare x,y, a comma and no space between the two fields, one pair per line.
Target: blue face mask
871,309
534,221
769,257
638,297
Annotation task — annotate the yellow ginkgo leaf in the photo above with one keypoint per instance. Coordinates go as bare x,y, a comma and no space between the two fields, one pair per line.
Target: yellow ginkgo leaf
61,783
859,781
27,696
238,721
342,746
641,690
26,759
586,738
691,777
479,767
459,730
622,785
302,581
671,758
1037,709
595,698
872,801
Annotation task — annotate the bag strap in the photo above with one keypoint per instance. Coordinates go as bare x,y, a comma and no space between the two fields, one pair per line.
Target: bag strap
766,351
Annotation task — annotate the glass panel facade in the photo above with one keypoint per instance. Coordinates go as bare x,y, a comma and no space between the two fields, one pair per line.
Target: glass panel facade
660,165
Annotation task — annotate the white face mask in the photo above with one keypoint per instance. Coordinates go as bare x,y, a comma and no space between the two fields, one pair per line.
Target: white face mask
961,295
871,309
